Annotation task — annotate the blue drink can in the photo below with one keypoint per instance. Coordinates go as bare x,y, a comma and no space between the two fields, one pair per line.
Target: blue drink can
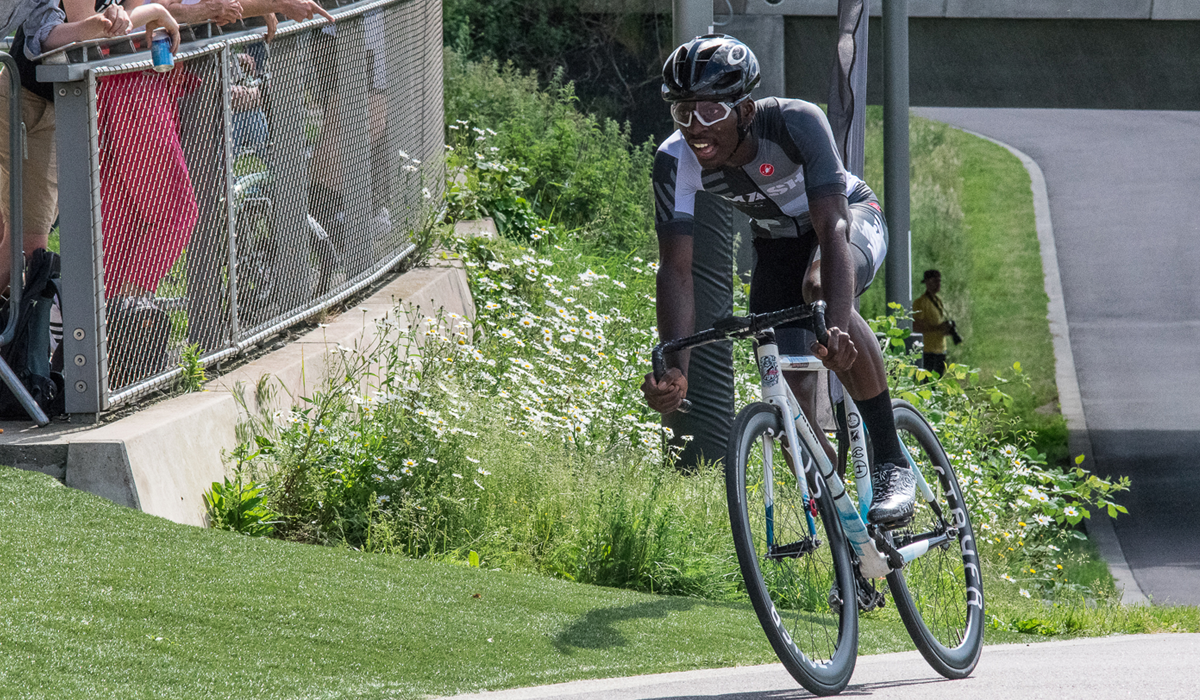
160,53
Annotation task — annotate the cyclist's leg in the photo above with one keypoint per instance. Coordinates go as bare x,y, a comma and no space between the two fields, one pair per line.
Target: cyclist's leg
775,286
866,380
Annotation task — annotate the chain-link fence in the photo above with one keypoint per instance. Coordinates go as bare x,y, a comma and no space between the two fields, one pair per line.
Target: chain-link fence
251,186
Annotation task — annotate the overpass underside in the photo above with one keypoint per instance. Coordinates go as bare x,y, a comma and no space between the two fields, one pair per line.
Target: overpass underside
998,62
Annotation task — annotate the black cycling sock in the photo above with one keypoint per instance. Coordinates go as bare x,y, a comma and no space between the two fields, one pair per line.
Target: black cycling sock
877,416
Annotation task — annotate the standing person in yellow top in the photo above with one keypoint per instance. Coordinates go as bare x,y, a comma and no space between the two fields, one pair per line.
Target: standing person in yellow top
929,318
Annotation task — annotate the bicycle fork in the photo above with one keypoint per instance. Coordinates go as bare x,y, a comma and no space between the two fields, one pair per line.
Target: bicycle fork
872,562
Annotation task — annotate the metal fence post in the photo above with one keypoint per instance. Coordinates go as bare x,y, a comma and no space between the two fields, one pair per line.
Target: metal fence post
79,243
224,58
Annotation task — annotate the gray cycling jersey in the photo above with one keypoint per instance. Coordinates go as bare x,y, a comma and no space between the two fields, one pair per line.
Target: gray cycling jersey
797,160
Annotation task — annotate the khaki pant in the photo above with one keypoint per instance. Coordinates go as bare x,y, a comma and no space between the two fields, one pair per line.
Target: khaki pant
40,181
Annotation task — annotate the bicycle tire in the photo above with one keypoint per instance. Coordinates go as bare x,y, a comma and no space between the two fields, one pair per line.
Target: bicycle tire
939,595
815,637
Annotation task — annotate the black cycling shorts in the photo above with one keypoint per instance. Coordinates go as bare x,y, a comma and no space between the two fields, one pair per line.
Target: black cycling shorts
778,279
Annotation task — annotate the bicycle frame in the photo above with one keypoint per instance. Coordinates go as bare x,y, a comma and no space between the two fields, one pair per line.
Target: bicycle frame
877,558
873,563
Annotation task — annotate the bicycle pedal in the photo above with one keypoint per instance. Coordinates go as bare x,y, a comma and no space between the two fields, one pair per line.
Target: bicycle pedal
794,550
894,557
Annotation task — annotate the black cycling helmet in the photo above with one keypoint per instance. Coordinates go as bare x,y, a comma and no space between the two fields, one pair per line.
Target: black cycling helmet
713,67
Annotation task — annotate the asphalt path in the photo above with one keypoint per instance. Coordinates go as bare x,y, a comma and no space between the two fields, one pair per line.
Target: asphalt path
1121,185
1141,666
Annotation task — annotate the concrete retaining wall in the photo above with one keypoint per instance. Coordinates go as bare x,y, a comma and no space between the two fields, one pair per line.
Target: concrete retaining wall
163,458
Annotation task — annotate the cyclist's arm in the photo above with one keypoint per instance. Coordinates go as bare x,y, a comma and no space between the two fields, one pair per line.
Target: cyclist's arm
676,305
676,318
831,220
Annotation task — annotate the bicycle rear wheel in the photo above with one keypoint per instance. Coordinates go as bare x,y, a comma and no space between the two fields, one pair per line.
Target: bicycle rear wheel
794,562
940,594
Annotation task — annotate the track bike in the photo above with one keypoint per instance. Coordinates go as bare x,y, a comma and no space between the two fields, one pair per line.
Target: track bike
808,557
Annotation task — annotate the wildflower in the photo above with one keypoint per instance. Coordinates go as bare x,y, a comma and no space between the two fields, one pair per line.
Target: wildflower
567,338
1042,520
1070,512
472,460
505,333
526,322
456,475
1008,578
483,471
431,460
1024,593
406,471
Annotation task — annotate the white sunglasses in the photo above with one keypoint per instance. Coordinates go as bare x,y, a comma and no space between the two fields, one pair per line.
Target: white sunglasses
708,113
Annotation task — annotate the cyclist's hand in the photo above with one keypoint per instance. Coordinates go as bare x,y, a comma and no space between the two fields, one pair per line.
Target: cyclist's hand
839,354
666,394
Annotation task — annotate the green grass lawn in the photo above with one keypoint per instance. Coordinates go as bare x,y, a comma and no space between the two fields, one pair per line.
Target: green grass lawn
102,601
972,218
106,602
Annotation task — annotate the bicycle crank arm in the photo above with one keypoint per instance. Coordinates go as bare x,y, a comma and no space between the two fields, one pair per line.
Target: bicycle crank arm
916,549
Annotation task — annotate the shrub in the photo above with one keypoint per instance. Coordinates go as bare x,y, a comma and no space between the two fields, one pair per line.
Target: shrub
513,141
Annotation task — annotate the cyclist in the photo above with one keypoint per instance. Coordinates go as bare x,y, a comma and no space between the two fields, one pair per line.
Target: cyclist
819,232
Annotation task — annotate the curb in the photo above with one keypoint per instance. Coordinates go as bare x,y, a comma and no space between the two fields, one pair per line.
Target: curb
1099,526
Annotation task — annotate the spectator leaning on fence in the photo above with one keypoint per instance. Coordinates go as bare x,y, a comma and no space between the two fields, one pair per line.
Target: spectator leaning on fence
148,200
40,27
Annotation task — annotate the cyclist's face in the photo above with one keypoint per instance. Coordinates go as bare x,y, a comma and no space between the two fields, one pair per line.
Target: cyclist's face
715,142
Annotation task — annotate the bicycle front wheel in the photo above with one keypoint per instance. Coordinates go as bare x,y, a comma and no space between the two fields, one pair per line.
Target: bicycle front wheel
793,558
940,594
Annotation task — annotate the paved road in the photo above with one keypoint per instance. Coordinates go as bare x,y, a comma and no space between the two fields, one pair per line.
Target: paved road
1121,185
1144,666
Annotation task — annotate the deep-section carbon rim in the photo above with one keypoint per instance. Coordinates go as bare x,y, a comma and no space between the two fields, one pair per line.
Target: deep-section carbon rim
939,595
797,585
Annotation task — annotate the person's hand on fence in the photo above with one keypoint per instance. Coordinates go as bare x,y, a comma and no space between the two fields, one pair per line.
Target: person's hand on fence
224,11
272,24
118,21
840,352
301,10
97,25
